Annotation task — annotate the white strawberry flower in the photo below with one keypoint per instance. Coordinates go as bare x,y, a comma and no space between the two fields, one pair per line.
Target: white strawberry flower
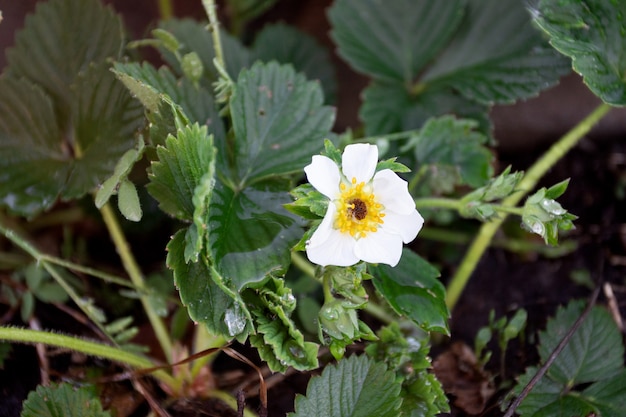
370,214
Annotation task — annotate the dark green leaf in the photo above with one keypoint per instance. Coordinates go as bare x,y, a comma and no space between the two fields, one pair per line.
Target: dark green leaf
287,45
182,164
496,55
591,32
106,121
413,289
61,40
455,143
33,165
609,395
355,387
278,120
393,40
594,352
389,109
148,83
206,301
250,233
63,400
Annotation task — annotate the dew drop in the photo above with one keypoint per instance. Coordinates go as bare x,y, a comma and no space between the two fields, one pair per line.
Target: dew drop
235,320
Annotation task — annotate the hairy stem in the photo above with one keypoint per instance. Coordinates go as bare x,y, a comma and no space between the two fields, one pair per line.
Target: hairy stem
532,176
166,9
131,267
14,334
210,8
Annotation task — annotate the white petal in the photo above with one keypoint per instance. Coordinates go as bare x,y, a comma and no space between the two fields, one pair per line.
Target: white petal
380,247
359,161
323,174
328,246
393,192
405,225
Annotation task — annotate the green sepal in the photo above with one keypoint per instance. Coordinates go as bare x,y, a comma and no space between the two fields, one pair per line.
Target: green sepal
128,201
308,202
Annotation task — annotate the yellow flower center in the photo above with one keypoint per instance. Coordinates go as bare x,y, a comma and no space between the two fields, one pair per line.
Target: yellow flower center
358,212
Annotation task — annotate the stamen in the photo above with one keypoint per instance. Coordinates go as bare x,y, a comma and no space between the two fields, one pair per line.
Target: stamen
358,212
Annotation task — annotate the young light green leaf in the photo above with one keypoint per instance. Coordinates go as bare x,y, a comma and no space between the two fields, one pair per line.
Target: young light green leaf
245,10
128,201
413,289
287,45
181,167
279,121
63,400
192,66
250,233
591,33
356,387
393,40
450,142
122,169
46,55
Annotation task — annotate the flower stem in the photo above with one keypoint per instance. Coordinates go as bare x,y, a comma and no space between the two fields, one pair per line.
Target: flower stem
210,8
131,267
437,202
532,176
166,9
14,334
302,264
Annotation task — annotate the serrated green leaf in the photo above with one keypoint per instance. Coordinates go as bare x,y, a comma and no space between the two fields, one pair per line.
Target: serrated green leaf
279,121
181,167
608,395
287,45
60,41
389,108
393,40
39,163
496,55
33,168
356,386
63,400
128,201
250,233
277,339
591,33
594,352
447,141
413,289
106,121
206,301
148,84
